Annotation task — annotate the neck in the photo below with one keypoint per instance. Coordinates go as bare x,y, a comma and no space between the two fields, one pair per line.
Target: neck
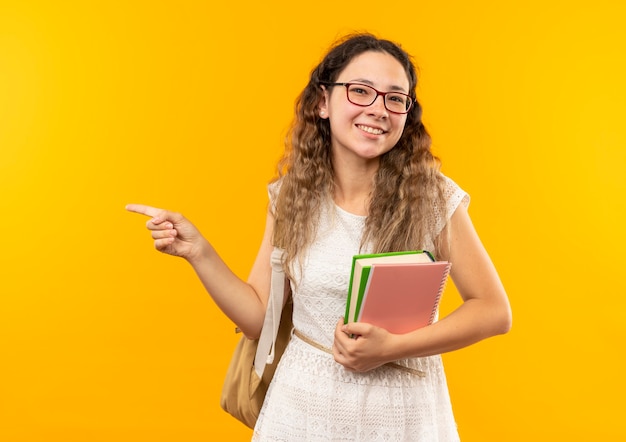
353,186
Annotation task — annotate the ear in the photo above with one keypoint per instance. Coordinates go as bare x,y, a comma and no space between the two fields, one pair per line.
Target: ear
322,107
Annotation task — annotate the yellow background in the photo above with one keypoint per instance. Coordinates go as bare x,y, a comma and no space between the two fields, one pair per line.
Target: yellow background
185,105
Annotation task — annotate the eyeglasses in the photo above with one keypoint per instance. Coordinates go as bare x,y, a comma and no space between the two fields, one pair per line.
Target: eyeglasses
364,95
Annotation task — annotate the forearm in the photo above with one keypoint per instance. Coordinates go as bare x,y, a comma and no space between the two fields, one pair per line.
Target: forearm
235,297
473,321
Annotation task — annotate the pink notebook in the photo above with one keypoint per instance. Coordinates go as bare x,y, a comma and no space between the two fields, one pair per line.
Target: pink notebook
403,297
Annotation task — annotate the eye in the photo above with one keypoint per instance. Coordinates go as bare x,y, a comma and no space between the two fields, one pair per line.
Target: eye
396,98
360,90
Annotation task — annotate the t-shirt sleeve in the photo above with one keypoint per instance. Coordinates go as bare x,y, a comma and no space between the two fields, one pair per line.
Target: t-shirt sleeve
272,190
455,196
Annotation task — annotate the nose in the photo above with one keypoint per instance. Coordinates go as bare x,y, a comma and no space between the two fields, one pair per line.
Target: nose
378,106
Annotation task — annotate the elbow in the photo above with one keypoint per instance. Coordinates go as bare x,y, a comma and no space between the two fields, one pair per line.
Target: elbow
504,320
250,331
251,324
251,334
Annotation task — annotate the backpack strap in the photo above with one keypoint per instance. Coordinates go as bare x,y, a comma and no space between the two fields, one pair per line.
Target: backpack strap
267,340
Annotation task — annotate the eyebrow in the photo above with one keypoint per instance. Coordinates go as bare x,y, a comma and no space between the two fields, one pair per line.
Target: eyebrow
370,83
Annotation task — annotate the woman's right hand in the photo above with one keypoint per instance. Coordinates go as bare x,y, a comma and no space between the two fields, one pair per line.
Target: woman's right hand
172,233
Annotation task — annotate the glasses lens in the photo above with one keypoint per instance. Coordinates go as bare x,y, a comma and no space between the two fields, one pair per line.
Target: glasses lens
396,102
361,94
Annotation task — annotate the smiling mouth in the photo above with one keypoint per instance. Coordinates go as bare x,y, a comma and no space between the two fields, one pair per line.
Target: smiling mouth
370,130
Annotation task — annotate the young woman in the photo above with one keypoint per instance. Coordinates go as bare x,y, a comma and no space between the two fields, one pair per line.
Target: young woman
358,176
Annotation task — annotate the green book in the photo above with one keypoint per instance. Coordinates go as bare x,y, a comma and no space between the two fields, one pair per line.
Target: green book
360,270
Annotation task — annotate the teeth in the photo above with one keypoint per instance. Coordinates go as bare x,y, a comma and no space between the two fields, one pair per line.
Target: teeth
370,130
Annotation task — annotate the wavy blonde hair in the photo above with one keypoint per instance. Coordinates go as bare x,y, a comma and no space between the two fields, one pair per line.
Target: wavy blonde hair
408,189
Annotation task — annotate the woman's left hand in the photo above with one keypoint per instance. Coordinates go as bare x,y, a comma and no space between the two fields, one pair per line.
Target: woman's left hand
365,350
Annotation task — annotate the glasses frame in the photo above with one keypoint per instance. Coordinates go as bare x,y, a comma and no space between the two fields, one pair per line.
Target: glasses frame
378,93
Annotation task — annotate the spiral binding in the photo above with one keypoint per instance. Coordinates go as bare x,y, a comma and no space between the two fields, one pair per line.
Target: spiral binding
444,280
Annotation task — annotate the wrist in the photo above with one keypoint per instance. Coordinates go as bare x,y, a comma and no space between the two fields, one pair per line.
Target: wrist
199,253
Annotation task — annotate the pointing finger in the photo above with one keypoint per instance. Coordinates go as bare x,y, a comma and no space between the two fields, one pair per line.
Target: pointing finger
143,210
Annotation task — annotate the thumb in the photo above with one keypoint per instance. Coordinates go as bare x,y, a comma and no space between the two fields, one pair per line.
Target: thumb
353,329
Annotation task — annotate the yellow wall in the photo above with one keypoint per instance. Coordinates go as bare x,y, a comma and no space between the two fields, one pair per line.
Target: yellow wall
185,106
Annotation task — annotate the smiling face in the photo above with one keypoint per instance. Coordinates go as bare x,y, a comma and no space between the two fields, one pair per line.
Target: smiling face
365,132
